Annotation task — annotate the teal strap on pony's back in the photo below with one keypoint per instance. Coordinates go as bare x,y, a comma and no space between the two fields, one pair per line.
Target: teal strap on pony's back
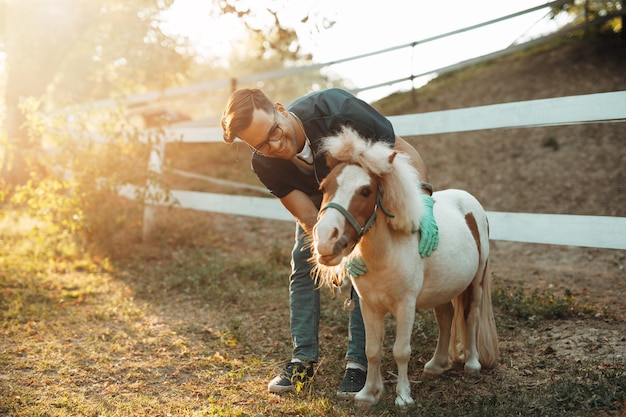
429,239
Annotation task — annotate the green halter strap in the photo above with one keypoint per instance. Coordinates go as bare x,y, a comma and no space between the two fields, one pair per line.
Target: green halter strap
350,218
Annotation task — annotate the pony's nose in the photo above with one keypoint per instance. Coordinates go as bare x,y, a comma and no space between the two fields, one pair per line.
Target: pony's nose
325,239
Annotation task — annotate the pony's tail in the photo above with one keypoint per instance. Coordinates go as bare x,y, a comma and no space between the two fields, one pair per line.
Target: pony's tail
487,335
488,350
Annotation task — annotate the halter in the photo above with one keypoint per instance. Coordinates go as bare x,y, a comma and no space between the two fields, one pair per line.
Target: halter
350,218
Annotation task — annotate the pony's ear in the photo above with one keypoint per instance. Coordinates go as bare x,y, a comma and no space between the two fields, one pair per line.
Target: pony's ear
331,161
392,156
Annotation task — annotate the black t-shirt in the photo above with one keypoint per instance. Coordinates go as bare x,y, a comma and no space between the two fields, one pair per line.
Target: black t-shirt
323,114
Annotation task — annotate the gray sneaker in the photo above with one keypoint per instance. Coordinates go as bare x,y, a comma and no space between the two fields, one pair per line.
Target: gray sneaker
293,377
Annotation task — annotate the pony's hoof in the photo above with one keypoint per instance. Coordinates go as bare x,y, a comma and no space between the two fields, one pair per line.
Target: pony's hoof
404,402
433,372
433,369
365,401
472,368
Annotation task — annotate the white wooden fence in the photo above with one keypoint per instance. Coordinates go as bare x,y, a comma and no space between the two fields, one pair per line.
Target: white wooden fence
588,231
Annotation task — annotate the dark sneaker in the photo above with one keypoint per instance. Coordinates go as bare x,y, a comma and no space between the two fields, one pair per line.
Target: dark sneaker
353,382
293,377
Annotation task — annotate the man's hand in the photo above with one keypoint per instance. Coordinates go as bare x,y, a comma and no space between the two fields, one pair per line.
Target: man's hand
430,232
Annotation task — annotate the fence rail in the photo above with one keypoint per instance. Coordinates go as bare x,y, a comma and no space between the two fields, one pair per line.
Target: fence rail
588,231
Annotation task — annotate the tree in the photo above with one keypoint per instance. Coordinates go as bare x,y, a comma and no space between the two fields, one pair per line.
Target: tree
268,40
588,10
75,50
37,35
273,44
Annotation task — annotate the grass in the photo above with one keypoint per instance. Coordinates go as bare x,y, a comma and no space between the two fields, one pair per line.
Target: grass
178,329
537,307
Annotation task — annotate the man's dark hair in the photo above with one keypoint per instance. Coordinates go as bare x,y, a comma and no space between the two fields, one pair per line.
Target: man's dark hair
241,104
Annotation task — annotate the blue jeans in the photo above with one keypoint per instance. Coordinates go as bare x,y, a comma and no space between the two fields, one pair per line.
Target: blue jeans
304,306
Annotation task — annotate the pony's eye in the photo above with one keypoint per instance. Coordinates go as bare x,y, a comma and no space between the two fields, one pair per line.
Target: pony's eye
366,192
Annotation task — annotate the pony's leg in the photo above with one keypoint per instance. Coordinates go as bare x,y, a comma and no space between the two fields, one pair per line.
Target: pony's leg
472,363
374,333
441,360
405,316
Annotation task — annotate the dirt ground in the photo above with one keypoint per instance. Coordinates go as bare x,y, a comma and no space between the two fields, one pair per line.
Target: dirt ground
577,169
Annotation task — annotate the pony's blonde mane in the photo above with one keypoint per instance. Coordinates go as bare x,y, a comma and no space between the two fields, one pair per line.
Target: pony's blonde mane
401,190
400,180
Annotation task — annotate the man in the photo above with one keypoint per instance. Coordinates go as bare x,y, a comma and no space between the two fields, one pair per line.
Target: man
286,159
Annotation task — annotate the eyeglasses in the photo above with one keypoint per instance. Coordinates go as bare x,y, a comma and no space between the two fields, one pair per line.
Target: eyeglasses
275,135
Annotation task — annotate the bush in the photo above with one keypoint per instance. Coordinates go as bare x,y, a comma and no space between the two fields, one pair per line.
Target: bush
74,201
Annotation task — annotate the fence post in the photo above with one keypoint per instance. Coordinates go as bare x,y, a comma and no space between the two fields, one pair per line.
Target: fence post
155,162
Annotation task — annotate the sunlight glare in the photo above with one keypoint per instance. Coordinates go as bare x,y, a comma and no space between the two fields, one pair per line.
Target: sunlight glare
210,35
378,26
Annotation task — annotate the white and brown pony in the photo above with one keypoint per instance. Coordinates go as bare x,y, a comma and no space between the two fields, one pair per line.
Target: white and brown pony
371,209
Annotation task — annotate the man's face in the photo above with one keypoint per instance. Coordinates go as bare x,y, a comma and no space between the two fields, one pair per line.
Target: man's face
271,134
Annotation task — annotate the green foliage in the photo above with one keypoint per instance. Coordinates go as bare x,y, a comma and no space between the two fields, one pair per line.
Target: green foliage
74,200
588,10
56,218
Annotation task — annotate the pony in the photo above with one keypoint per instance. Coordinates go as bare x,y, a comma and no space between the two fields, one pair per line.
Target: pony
369,180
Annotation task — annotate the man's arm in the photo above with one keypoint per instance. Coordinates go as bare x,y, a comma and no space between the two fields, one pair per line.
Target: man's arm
302,208
416,159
